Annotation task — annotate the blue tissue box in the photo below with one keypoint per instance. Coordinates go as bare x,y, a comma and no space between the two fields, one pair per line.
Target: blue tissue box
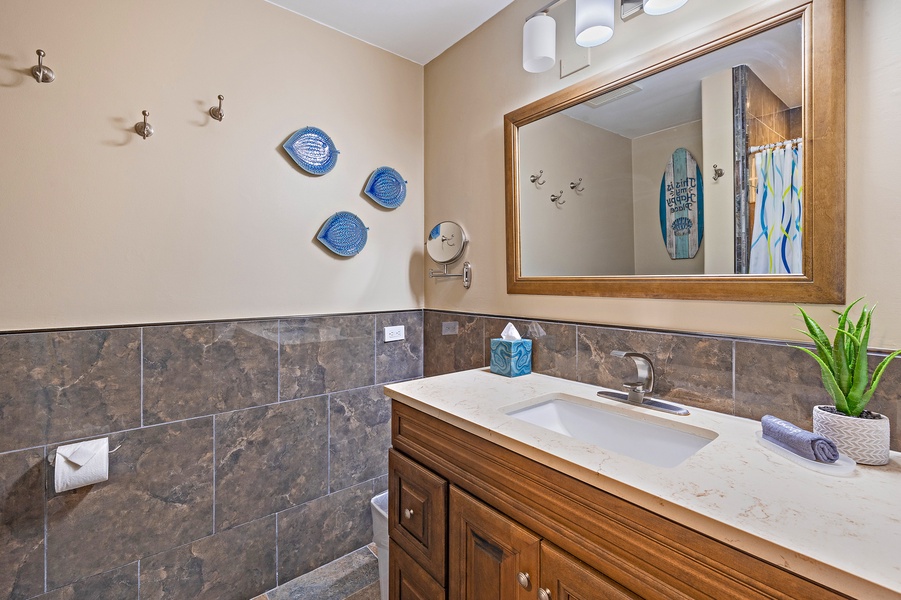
511,358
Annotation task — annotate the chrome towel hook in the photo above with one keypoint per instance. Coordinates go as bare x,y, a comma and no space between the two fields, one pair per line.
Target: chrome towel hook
555,198
717,172
575,185
216,112
41,73
145,130
535,178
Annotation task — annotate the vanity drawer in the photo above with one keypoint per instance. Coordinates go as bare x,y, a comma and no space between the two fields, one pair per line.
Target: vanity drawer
417,515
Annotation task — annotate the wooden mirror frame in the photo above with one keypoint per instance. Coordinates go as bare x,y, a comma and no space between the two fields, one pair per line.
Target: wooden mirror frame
823,281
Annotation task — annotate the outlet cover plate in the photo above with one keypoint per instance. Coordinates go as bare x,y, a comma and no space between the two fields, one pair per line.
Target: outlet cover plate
449,328
394,334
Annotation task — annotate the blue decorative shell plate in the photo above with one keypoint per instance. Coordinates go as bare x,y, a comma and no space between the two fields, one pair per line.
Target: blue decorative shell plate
313,150
387,187
343,233
511,357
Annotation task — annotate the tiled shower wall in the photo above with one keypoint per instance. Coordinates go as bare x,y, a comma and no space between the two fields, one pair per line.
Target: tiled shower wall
742,377
245,453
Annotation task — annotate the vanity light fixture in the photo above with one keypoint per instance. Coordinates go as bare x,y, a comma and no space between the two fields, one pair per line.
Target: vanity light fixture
594,22
661,7
594,26
539,43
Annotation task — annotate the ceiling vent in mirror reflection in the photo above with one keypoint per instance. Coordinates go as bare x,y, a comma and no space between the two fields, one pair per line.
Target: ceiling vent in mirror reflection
626,90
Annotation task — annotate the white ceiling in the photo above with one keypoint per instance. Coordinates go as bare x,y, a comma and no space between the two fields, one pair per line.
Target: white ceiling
418,30
673,97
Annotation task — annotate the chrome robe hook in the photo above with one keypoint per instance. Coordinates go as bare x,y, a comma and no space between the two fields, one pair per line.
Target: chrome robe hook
535,178
145,130
41,73
217,112
555,198
577,186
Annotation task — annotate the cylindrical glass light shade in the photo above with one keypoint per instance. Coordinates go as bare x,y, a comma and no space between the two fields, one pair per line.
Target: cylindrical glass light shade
661,7
539,44
594,22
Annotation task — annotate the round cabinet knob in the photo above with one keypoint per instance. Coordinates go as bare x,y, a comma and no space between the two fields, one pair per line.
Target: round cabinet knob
544,594
408,513
524,580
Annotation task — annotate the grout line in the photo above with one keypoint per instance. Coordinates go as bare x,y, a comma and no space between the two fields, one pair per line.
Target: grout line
276,550
578,370
375,350
734,399
46,518
142,376
139,579
328,444
214,474
278,360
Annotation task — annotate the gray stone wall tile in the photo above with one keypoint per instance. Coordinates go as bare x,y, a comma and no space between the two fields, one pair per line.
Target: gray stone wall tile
231,565
454,352
775,379
159,495
270,458
65,385
320,531
359,436
553,344
690,370
887,399
398,361
118,584
22,524
326,354
197,370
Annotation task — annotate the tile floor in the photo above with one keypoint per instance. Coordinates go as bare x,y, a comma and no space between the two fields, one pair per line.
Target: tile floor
351,577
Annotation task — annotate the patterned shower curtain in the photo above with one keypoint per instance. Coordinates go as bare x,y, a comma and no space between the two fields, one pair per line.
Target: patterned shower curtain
778,225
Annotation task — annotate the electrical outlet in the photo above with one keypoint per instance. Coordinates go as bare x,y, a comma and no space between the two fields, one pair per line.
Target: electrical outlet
450,328
394,334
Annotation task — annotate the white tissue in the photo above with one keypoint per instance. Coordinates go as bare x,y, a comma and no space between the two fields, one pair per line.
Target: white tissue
81,464
510,333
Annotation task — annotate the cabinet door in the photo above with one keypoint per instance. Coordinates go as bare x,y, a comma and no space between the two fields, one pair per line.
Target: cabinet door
408,580
417,515
565,578
489,553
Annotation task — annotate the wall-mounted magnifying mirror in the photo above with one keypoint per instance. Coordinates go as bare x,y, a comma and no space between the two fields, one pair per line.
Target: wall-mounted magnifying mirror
445,245
712,164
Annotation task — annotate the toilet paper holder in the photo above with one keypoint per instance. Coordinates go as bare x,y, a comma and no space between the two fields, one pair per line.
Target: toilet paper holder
52,457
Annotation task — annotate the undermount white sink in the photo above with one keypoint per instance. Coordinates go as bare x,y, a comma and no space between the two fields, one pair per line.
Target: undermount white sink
624,430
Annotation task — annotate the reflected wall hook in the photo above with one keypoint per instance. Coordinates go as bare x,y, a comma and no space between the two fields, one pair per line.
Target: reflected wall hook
555,198
717,172
534,178
216,112
41,73
574,185
145,130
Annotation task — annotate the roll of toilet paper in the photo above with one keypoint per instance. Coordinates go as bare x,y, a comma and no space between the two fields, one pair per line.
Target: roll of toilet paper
81,464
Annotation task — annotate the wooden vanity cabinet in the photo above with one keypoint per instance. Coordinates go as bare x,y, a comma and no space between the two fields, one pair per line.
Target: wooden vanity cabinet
506,514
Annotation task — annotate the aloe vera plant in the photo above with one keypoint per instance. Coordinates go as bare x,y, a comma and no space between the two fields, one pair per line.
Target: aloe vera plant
843,361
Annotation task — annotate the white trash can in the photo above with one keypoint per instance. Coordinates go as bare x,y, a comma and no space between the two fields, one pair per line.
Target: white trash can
380,537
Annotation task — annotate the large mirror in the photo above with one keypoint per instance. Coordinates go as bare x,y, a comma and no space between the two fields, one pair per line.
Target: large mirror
703,170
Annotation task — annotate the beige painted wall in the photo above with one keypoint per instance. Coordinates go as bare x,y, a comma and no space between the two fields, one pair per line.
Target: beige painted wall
470,88
719,195
204,220
586,234
650,155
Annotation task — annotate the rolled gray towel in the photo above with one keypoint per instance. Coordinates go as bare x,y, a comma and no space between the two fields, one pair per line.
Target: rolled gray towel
803,443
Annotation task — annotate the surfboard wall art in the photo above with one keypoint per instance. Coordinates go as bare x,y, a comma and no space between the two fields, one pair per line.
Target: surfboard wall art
682,205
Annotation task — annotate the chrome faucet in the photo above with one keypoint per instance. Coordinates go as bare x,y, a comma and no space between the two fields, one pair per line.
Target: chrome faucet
645,382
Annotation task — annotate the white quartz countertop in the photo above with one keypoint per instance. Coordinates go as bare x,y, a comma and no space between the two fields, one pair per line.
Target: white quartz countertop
844,532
